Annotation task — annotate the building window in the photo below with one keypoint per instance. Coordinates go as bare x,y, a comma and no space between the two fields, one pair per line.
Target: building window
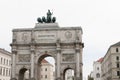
97,75
118,73
45,76
117,65
3,71
6,72
41,76
0,70
9,72
4,61
97,68
1,60
117,50
45,69
7,62
117,57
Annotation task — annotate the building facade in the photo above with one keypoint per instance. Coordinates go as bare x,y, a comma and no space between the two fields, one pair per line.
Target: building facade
97,69
5,64
111,63
47,70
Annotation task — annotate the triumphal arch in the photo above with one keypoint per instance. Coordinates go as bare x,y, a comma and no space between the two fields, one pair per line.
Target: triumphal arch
31,45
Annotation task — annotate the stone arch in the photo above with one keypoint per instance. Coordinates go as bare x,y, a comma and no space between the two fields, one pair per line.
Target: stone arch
20,67
22,73
64,71
44,54
39,58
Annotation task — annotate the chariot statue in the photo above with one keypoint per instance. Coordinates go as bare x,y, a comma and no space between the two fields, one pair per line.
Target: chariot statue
48,19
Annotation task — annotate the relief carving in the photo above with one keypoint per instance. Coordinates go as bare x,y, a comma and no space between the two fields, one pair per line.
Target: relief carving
68,57
24,37
24,57
68,34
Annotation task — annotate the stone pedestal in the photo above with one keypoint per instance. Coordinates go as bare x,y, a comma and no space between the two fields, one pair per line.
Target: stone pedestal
46,25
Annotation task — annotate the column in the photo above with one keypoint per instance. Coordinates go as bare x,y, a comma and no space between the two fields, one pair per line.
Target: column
58,61
32,63
29,74
13,65
77,62
58,64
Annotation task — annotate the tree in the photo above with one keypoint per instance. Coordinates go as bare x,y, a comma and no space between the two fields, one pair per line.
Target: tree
90,78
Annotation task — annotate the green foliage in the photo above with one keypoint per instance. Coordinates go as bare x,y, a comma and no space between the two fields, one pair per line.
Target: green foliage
90,78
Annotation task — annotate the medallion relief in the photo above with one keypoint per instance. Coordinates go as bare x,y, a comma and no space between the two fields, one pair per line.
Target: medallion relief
68,34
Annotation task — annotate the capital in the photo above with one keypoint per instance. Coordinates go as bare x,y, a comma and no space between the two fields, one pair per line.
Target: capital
32,48
14,51
58,49
77,50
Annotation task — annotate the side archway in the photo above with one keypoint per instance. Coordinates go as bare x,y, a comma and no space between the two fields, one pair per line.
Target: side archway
24,74
68,74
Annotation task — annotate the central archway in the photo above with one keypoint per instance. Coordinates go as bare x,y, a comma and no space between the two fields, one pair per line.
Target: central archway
45,67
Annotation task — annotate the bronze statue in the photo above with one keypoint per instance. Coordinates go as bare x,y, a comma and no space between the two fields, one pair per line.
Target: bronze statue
49,18
49,14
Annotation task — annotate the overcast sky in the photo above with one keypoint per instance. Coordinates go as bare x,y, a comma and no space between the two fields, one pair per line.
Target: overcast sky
99,19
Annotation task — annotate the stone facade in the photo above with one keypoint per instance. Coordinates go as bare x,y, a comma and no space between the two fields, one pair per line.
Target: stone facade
97,69
5,64
111,63
46,71
31,45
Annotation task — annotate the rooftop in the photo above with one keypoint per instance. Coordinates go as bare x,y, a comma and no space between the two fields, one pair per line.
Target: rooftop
44,61
100,60
5,51
116,44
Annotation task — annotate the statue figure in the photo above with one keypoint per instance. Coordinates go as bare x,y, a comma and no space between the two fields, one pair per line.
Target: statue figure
43,19
49,14
48,19
39,20
53,19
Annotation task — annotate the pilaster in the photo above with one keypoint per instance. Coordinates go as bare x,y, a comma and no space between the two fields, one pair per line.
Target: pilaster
58,77
32,77
14,52
77,60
